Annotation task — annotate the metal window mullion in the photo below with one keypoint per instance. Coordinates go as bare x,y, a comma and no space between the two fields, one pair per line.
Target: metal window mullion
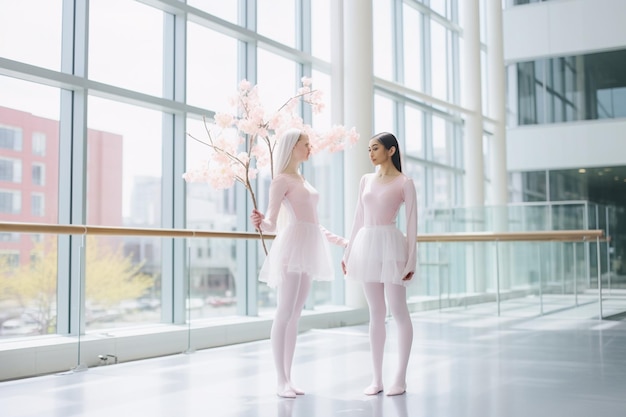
173,203
72,168
247,260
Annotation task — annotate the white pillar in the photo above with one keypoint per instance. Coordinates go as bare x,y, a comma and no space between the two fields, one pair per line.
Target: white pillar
358,107
497,102
496,71
474,184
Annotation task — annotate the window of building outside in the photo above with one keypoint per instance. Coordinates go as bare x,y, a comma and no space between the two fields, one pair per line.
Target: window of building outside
39,143
38,174
10,138
567,89
10,258
10,202
10,170
37,205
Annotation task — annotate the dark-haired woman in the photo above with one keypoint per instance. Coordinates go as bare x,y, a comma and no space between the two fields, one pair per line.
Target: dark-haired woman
382,257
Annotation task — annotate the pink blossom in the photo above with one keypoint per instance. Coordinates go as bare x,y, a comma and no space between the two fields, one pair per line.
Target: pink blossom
229,163
224,120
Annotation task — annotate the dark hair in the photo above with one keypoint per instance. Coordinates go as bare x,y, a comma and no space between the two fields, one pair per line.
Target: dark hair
389,141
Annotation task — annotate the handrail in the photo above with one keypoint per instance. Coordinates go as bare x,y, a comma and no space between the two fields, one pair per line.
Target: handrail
558,235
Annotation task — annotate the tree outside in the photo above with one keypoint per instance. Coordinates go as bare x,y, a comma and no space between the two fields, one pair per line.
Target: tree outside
28,293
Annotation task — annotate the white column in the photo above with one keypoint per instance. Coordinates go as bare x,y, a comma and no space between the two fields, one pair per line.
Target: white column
497,101
474,184
497,153
358,79
472,101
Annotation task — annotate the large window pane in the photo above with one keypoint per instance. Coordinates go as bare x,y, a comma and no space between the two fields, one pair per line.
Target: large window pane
439,60
126,45
28,285
211,77
122,282
414,144
277,79
320,29
383,40
383,115
213,267
442,151
413,54
226,10
30,32
213,262
124,151
563,89
29,115
276,19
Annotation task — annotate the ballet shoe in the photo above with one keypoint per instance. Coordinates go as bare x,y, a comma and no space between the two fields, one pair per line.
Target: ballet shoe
298,391
396,390
286,393
373,390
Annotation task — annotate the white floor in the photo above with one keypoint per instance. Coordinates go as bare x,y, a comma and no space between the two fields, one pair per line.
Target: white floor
464,363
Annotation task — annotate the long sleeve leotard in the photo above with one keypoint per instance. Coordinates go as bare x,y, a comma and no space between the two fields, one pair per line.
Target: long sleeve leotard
302,245
377,250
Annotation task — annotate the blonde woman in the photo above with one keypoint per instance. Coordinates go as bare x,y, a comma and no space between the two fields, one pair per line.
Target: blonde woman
299,254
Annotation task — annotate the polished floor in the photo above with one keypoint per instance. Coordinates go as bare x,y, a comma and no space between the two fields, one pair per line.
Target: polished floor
464,363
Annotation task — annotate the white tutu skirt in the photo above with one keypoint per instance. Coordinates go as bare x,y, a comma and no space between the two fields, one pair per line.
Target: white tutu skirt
300,248
378,254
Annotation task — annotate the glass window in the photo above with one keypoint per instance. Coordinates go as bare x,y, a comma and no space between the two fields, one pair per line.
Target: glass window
277,19
124,153
126,45
414,144
10,170
439,60
122,282
321,29
39,143
383,115
439,6
383,40
37,205
442,187
226,10
276,79
413,54
10,202
213,263
29,110
563,89
10,138
38,174
211,77
30,32
441,141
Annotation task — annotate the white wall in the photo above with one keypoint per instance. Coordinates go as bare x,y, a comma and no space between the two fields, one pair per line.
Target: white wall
588,144
563,27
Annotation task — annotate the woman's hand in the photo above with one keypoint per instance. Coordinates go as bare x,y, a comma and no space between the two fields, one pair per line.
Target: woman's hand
343,267
408,276
256,217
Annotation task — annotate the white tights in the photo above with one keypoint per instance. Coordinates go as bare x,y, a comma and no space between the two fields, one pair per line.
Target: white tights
292,294
396,295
